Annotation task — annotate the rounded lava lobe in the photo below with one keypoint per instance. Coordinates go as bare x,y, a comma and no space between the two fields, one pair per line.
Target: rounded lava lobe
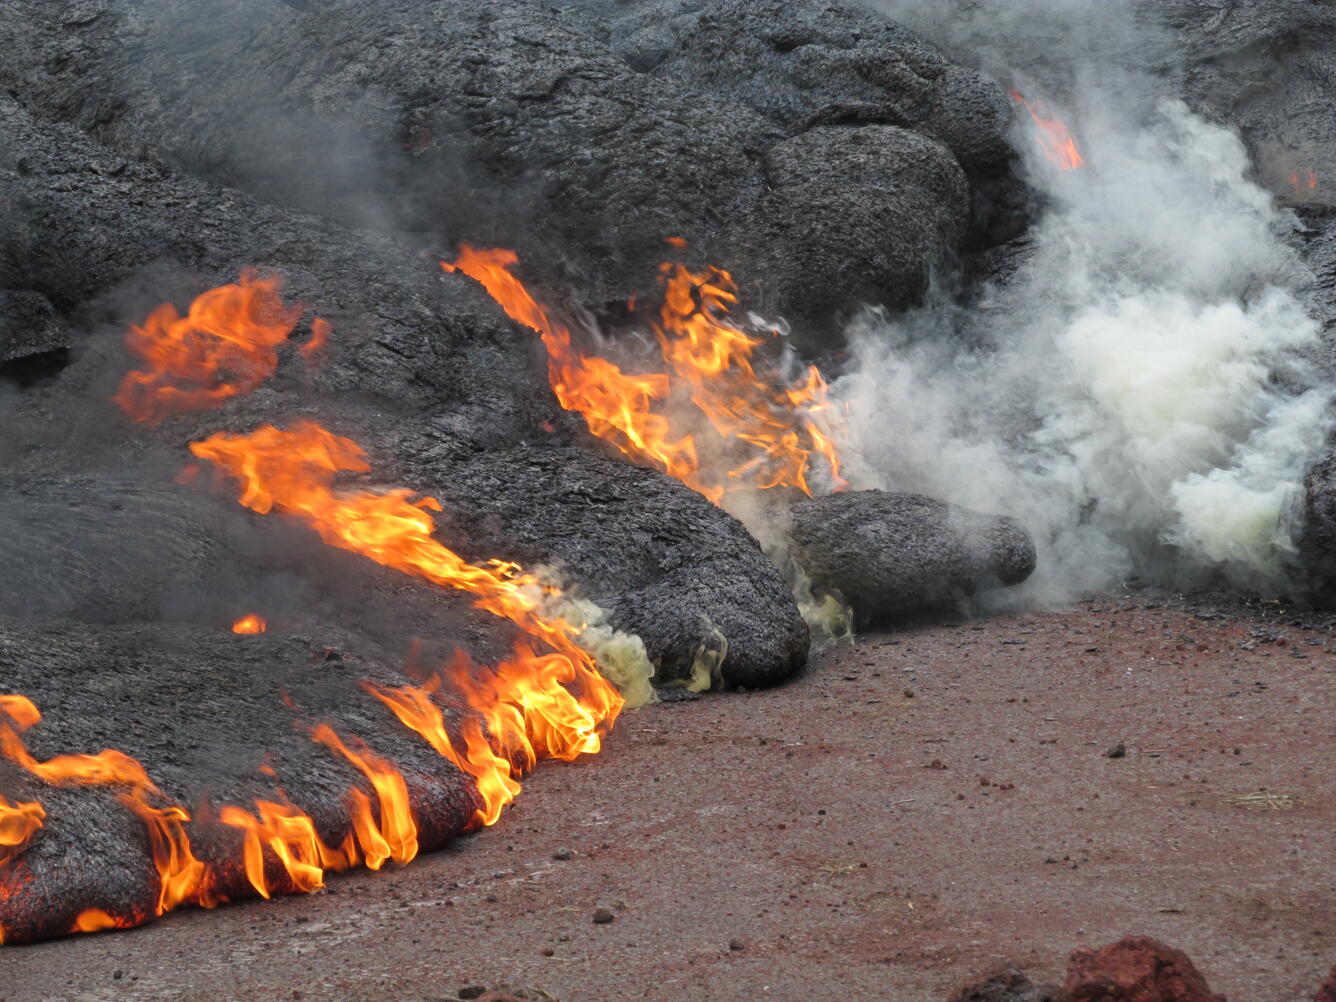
665,563
891,554
858,214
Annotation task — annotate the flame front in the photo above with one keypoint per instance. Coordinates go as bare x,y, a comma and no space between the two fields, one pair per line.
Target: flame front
224,346
1052,136
553,705
780,425
106,768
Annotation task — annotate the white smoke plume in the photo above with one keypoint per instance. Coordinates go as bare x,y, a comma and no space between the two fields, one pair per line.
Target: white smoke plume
1141,402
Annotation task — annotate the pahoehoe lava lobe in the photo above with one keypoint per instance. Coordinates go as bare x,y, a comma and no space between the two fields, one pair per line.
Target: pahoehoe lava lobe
892,554
202,710
805,63
422,368
516,123
647,549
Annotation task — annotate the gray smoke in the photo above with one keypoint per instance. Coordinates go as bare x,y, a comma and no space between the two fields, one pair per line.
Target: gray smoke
1143,403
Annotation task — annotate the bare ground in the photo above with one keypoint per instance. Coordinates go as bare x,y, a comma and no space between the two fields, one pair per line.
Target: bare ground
915,808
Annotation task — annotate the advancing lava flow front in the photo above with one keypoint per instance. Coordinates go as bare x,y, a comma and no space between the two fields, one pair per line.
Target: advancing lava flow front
546,700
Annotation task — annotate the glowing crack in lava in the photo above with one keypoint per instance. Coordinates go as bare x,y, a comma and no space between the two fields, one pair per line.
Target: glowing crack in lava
1052,135
771,429
225,346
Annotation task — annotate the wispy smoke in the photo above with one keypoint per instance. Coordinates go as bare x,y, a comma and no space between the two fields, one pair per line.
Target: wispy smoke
1141,400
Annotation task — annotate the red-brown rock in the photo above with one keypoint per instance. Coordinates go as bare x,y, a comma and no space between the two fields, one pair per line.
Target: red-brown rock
1136,969
1327,993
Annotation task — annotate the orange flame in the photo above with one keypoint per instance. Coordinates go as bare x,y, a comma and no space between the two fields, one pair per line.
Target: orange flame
554,705
106,768
1305,179
18,823
250,623
290,835
780,419
181,877
708,361
1052,136
528,712
394,835
293,472
315,346
224,346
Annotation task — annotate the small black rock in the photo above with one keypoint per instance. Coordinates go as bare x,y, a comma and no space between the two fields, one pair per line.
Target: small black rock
1117,751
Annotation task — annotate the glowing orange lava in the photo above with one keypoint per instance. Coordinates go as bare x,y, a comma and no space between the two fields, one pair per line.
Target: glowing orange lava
250,623
778,426
1052,135
224,346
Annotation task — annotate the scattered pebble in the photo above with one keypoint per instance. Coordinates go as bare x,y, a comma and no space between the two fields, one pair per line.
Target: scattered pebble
563,853
1117,751
472,991
736,944
602,916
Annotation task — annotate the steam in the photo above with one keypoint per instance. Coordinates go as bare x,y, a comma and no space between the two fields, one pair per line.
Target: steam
1141,402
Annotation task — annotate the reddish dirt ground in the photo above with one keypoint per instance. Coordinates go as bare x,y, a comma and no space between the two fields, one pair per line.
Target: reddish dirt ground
916,808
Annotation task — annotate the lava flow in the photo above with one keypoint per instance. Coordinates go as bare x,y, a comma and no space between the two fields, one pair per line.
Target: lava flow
389,831
773,426
554,705
225,346
1052,135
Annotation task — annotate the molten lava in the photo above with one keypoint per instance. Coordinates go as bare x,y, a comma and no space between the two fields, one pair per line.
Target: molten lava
1052,135
773,426
250,623
224,346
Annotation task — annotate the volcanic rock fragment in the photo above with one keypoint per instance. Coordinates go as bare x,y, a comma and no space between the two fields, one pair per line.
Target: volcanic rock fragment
1006,984
1264,69
891,554
1136,969
34,338
1327,993
1317,541
666,564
